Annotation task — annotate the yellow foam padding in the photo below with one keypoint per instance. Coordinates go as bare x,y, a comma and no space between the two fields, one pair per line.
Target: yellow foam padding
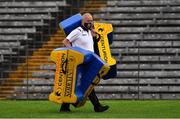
65,75
103,45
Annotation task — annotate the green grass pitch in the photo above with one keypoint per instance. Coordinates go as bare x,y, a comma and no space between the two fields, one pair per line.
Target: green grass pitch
118,109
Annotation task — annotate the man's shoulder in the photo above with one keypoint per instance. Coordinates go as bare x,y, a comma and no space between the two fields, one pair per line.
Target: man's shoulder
76,31
79,29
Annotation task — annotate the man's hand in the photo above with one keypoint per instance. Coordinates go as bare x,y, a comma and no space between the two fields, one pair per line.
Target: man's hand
93,32
67,43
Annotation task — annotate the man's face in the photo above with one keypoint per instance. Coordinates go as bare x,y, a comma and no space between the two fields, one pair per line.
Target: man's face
88,22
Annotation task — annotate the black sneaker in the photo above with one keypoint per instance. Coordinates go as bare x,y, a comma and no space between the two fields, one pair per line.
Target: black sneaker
65,110
101,108
65,107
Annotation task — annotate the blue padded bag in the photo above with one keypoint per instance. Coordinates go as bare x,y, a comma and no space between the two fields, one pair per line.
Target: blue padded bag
71,23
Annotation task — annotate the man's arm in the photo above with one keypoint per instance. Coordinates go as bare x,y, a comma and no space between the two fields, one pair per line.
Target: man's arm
66,43
93,32
95,35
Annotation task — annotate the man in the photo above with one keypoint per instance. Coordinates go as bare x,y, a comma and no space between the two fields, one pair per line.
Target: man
83,37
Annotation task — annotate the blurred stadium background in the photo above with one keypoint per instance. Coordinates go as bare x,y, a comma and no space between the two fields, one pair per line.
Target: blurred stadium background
146,46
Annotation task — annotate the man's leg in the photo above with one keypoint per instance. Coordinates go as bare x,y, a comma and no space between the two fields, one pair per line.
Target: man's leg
95,101
65,107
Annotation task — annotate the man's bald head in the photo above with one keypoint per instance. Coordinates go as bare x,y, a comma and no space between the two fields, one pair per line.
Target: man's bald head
87,17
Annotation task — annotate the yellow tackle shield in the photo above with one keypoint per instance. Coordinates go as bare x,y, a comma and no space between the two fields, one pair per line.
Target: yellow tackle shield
77,72
65,76
103,29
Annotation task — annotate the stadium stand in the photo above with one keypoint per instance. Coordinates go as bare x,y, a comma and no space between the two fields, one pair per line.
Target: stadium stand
38,42
145,34
25,25
146,45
